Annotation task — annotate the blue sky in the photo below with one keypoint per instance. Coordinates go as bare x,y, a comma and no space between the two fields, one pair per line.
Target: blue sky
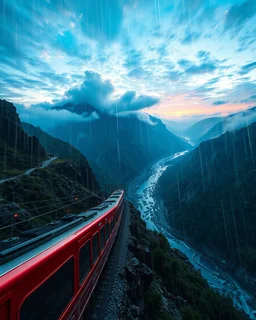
179,58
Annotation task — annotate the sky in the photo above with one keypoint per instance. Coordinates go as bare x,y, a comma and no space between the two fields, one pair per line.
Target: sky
176,59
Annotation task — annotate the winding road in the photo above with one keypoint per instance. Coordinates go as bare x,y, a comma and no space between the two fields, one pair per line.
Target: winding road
44,164
141,192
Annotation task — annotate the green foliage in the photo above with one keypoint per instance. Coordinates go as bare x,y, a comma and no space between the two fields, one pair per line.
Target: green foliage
153,302
182,280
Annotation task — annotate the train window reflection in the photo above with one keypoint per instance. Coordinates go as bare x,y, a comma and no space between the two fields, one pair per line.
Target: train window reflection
107,231
102,238
84,261
95,247
50,299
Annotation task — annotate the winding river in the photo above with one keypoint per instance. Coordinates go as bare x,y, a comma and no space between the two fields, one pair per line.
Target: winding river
141,192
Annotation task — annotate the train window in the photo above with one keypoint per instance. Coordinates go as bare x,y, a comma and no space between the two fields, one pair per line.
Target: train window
107,231
50,299
95,247
84,261
102,238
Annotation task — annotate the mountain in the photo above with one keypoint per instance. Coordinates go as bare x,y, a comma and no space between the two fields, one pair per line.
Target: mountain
63,150
210,195
200,128
229,123
65,185
18,151
178,128
120,145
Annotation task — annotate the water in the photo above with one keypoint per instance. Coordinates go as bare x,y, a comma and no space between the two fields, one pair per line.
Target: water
141,192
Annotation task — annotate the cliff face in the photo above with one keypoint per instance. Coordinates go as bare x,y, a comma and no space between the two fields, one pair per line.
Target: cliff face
162,284
18,151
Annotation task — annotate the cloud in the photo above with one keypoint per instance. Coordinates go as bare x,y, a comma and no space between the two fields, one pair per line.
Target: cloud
94,90
247,68
47,118
133,58
201,68
101,94
145,117
190,37
251,99
219,102
137,73
203,55
239,14
240,120
130,102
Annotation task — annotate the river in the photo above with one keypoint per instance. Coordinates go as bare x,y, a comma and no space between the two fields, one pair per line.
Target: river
141,192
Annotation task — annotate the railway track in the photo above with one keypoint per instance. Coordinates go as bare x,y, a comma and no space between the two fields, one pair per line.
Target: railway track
109,292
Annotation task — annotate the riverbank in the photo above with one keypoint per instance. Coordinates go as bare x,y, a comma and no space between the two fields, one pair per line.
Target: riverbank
142,193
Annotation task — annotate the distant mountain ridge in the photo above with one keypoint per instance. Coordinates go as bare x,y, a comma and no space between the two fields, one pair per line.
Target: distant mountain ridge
120,145
229,123
197,130
211,192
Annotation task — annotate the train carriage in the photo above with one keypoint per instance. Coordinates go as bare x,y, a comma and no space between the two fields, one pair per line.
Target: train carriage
53,275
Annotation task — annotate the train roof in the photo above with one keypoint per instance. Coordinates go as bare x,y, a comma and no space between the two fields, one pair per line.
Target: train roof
33,242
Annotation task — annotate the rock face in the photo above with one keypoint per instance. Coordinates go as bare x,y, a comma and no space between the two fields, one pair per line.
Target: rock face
18,151
162,284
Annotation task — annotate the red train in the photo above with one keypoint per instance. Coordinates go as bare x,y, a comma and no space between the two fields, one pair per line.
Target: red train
51,274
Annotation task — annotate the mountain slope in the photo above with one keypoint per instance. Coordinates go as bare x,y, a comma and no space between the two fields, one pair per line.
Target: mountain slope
121,146
162,284
18,151
229,123
197,130
60,148
67,185
211,194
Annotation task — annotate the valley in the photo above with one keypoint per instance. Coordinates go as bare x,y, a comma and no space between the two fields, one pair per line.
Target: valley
141,191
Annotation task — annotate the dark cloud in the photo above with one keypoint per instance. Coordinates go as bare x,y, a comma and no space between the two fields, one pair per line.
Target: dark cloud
138,73
207,67
239,14
99,93
130,102
173,75
133,58
251,99
219,102
190,37
185,63
203,55
247,68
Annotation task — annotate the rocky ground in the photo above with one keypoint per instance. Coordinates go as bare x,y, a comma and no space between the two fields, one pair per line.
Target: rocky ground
160,282
111,288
